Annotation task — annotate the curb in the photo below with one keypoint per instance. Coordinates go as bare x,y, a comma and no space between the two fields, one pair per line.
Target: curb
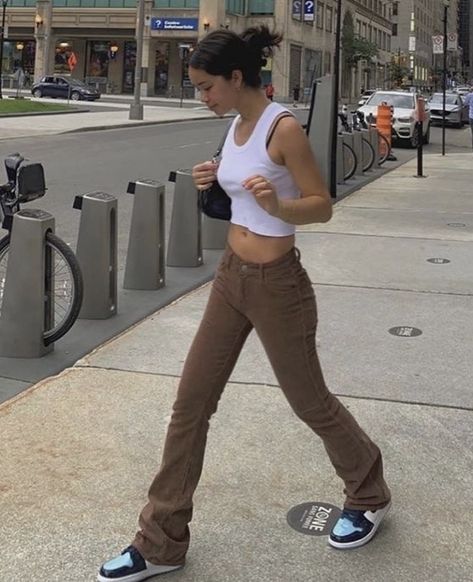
33,113
138,124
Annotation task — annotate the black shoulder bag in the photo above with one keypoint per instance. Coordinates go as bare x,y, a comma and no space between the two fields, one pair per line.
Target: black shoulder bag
214,201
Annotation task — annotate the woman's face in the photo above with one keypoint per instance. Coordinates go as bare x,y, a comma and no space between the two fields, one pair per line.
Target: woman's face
218,93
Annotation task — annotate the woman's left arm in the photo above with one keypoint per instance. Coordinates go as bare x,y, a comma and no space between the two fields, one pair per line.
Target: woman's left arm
290,147
315,204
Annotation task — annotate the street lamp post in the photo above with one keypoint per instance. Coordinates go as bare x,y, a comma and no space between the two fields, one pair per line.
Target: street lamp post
2,37
446,4
136,108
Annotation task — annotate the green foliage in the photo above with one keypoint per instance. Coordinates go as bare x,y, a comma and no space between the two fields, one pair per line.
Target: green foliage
19,106
355,48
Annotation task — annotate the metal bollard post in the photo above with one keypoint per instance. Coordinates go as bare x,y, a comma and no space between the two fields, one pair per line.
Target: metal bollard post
28,303
185,235
358,149
97,254
365,135
145,257
340,161
214,233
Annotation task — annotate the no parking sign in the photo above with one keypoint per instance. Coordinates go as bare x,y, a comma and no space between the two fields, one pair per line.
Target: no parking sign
437,44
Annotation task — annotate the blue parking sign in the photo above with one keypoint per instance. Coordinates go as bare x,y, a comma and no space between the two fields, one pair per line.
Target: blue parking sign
309,10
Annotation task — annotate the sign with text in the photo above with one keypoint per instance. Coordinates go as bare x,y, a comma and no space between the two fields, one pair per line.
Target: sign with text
309,10
314,519
174,24
437,44
297,9
452,41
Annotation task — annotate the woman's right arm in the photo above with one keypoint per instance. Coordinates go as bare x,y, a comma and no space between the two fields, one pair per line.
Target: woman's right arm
204,174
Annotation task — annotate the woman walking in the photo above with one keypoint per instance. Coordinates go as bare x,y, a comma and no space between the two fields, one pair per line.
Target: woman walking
268,169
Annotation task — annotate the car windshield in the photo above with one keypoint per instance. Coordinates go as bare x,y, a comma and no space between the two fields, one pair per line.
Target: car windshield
449,99
77,83
402,101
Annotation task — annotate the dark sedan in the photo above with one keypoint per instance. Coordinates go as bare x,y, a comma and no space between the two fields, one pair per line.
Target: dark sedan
64,88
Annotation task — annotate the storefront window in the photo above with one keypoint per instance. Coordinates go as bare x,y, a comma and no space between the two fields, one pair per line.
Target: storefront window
176,3
16,54
162,69
64,58
261,6
97,63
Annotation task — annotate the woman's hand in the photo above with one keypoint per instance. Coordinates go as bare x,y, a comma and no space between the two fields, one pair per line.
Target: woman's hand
204,174
264,193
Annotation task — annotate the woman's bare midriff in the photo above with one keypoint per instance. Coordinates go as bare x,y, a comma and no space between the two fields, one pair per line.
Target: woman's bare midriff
256,248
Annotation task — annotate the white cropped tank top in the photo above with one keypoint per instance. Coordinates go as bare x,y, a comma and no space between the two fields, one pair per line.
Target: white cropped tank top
240,162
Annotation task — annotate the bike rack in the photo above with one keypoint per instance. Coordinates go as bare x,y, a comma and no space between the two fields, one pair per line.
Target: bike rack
214,233
185,235
28,300
340,160
145,268
97,254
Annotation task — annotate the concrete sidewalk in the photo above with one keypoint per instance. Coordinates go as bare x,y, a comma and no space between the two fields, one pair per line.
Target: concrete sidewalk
78,451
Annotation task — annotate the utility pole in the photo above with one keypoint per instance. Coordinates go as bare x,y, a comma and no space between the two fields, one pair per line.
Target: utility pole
336,84
136,108
2,37
446,4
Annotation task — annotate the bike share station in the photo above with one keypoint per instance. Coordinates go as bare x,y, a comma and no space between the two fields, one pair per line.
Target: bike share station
38,304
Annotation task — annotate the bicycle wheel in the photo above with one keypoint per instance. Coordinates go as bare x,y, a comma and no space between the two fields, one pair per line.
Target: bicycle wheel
349,161
384,148
63,289
369,155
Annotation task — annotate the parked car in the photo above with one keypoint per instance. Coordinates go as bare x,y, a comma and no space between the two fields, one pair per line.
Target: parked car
456,112
404,105
64,88
365,96
462,90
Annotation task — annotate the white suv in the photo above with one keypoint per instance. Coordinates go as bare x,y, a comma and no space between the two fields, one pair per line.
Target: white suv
404,105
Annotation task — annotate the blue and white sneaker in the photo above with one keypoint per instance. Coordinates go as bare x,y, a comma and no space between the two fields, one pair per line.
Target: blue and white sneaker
356,527
130,566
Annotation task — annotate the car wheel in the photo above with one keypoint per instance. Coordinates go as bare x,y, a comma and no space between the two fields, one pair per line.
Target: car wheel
37,93
414,141
75,96
427,135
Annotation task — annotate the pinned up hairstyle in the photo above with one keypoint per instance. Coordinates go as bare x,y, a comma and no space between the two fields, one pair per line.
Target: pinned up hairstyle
222,51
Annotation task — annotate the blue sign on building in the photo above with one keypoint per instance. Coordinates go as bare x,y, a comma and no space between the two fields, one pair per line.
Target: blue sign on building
174,23
309,10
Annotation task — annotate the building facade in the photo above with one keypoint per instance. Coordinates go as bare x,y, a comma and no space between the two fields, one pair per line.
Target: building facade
94,40
415,23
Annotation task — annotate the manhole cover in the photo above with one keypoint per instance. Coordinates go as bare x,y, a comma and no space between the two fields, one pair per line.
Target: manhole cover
405,331
438,261
314,519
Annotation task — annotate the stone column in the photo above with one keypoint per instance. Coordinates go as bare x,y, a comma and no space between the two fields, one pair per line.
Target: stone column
43,37
213,13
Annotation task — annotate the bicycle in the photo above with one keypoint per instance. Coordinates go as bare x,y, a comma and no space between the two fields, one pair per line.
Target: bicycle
368,153
358,123
63,285
350,160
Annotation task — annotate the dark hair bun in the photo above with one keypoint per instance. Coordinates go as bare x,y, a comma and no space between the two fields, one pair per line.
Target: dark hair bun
261,40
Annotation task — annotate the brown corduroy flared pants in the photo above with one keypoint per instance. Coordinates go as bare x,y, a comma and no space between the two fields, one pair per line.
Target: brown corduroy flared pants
277,300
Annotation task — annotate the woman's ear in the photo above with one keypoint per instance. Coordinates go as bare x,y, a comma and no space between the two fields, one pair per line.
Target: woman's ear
237,78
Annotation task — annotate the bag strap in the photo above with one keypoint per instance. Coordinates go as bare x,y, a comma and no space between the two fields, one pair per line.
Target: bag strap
275,124
222,141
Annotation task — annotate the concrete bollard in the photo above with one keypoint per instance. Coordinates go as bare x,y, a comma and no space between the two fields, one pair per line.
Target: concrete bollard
358,149
28,298
214,233
185,235
97,254
145,268
374,139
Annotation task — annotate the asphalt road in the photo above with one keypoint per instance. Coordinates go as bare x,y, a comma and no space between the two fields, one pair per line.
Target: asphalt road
106,161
